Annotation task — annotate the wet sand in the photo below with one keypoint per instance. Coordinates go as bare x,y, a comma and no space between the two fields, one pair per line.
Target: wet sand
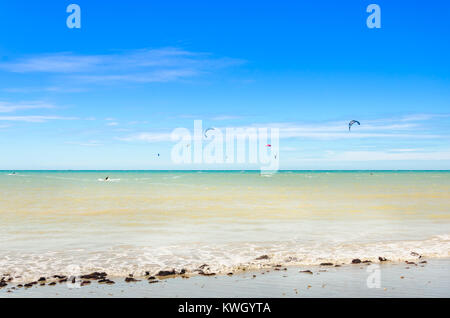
431,279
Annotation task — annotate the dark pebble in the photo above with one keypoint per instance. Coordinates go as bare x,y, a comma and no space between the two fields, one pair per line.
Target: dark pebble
356,261
95,276
307,271
326,264
382,259
106,281
167,273
52,284
130,280
42,279
262,257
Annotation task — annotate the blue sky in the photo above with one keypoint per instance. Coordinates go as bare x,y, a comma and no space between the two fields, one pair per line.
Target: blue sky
106,96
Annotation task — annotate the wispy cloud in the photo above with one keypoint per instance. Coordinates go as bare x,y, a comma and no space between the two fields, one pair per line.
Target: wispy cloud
90,143
392,128
404,127
7,107
48,89
53,63
406,150
388,156
225,117
151,77
422,117
35,119
147,65
148,137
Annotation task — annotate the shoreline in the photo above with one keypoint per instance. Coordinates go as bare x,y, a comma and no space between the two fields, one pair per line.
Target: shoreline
262,262
428,279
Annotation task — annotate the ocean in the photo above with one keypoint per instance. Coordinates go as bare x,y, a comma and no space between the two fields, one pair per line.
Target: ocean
61,222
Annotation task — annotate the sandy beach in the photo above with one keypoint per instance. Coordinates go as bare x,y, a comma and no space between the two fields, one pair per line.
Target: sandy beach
431,279
397,280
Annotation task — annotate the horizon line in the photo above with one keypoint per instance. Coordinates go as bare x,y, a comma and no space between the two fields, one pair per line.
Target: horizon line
218,170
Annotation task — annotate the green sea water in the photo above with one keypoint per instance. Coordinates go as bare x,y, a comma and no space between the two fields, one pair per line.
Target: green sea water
136,221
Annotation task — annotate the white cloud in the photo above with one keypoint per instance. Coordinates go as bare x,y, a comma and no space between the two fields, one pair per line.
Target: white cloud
51,89
34,119
423,117
225,117
90,143
381,129
147,65
7,107
156,76
148,137
53,63
390,156
406,150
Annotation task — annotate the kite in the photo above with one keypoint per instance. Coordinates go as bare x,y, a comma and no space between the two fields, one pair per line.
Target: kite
350,124
206,132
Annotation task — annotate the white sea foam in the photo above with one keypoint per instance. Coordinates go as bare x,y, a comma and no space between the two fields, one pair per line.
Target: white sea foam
220,258
109,180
